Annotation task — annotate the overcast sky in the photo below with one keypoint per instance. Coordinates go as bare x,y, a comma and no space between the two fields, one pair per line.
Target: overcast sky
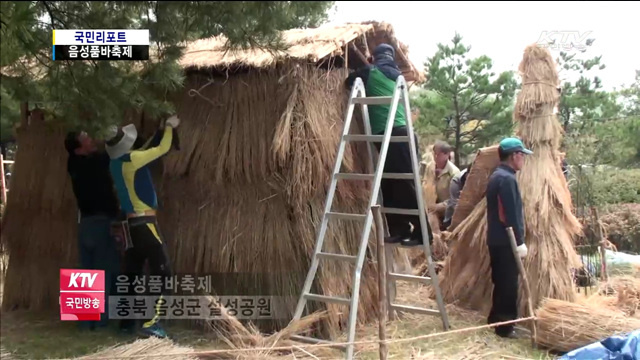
503,30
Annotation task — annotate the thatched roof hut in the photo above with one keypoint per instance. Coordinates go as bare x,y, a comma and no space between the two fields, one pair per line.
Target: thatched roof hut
246,192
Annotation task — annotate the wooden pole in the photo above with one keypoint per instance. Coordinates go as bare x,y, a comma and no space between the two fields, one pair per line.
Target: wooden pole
514,247
382,282
3,185
604,276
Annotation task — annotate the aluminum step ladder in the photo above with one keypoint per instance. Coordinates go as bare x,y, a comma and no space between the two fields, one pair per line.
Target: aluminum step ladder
358,96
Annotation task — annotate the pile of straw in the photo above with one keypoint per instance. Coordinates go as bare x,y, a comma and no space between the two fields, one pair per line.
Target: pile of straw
246,340
626,291
549,222
144,349
565,326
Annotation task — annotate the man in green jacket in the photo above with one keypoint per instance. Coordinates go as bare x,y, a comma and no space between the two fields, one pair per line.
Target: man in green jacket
379,79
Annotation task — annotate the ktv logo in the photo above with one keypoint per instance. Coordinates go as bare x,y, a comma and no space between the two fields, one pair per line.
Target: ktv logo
81,294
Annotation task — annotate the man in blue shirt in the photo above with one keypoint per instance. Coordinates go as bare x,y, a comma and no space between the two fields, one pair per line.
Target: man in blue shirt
504,209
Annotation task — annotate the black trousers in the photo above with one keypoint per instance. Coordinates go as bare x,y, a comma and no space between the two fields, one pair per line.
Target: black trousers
147,245
504,275
401,194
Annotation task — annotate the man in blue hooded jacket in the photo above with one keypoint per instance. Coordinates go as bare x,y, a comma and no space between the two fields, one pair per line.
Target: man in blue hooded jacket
379,79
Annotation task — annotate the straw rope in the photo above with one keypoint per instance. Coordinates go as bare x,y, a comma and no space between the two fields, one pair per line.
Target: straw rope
293,347
540,82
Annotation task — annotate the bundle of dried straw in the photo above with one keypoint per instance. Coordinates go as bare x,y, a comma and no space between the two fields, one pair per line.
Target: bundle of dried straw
39,223
565,326
549,221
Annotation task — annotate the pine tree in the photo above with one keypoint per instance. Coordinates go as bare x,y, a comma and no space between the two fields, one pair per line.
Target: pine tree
93,94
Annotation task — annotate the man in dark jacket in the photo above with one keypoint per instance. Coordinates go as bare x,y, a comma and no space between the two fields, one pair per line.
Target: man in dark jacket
98,208
380,80
504,209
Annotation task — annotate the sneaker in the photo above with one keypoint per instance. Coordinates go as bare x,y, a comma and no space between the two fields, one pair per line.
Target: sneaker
154,330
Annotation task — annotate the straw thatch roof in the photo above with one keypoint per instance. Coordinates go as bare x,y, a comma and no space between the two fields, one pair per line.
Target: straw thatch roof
303,45
308,45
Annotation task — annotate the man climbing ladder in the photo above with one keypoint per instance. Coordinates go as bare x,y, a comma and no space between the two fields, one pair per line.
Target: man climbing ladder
417,212
380,80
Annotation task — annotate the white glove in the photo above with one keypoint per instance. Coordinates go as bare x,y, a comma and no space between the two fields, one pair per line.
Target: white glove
173,121
522,250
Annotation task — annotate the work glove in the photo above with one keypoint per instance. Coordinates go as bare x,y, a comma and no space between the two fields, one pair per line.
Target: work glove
173,121
522,250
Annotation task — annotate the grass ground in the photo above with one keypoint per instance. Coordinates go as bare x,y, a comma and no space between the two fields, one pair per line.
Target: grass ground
40,336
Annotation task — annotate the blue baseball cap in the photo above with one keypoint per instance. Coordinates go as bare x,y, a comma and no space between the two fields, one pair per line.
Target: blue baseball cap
511,145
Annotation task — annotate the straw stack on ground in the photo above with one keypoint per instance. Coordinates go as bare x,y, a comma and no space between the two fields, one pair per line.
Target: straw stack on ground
144,349
565,326
39,218
549,222
245,194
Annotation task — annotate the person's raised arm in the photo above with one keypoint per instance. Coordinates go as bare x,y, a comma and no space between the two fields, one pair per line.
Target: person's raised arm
141,158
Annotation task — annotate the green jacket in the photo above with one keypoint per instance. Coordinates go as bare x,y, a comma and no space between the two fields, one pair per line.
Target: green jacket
378,84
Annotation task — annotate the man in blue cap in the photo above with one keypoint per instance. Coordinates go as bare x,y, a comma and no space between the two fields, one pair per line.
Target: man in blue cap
504,209
379,79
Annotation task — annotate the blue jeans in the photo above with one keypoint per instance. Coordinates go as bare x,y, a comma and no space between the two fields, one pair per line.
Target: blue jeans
98,251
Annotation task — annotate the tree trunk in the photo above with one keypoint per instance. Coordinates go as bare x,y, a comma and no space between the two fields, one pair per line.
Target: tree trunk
457,144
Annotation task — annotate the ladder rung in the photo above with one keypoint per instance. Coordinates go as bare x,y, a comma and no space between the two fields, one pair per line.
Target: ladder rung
346,176
403,277
354,176
345,216
416,310
310,340
375,138
338,257
400,211
373,100
331,299
405,176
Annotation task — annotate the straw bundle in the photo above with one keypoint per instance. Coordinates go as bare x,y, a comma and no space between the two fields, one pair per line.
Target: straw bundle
565,326
465,278
476,185
39,223
144,349
551,226
549,223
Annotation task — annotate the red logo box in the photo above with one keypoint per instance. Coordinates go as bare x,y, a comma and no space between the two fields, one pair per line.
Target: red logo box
81,294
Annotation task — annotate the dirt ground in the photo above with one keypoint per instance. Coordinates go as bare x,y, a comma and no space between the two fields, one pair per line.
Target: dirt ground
39,336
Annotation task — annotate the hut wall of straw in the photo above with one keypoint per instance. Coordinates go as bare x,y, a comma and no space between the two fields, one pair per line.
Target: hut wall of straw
550,224
246,193
40,219
39,226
